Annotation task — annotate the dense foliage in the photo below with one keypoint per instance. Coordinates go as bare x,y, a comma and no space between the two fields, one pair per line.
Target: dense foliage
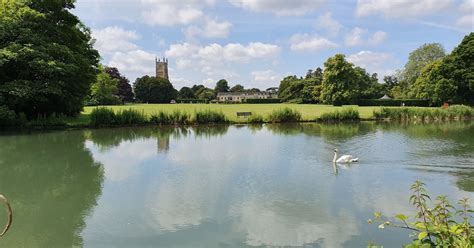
154,90
104,90
450,79
302,90
284,115
47,62
437,225
425,114
222,86
124,89
343,83
345,114
393,102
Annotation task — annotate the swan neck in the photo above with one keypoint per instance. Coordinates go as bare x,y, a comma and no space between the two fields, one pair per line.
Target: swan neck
335,157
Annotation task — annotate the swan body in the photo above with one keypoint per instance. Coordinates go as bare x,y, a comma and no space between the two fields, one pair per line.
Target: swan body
344,158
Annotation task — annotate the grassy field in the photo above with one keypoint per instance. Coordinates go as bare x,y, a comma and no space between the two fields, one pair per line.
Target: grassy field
308,111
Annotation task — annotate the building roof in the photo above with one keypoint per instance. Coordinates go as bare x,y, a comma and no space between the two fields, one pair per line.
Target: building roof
385,97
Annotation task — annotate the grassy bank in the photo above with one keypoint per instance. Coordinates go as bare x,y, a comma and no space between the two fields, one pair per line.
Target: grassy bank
192,114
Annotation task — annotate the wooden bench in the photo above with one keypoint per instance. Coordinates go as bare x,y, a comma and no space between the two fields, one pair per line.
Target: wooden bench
244,114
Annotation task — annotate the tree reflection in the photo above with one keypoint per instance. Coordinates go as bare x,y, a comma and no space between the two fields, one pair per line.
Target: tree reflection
53,183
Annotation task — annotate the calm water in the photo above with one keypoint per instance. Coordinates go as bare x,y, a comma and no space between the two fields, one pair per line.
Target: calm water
237,186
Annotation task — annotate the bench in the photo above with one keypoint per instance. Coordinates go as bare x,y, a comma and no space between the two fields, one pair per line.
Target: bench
244,114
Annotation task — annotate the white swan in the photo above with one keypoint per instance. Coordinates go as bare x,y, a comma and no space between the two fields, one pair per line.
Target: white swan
344,158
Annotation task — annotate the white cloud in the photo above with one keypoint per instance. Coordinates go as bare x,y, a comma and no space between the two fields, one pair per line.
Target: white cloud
467,6
466,21
211,29
279,7
234,52
400,8
373,62
265,78
111,39
172,13
326,22
358,37
309,43
133,63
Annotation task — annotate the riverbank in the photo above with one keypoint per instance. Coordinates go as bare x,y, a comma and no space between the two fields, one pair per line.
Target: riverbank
195,114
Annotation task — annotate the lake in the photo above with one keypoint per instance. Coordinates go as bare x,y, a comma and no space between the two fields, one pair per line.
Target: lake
226,186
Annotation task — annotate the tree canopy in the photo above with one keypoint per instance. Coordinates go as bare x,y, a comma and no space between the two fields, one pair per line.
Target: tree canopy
47,62
104,90
154,90
222,86
124,89
343,83
186,93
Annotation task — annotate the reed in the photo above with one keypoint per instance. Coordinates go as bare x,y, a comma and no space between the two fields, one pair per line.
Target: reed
345,114
284,115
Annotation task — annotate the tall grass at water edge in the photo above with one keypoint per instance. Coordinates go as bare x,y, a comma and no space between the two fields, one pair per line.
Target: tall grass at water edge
454,112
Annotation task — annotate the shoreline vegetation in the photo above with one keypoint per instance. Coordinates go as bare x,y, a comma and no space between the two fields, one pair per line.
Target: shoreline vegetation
161,115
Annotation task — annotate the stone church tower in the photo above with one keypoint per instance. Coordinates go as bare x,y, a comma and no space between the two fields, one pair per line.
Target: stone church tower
162,68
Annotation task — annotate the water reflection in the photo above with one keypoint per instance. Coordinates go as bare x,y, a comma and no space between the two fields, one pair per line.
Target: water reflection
227,186
53,183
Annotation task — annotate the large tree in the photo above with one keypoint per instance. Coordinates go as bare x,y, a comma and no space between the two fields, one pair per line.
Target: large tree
186,93
222,86
124,89
343,83
154,90
104,89
237,88
47,61
450,78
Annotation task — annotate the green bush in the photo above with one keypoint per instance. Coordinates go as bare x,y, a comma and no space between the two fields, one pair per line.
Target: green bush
191,101
7,117
392,102
160,118
439,225
44,121
255,119
267,100
130,117
174,118
284,115
345,114
102,116
209,117
424,114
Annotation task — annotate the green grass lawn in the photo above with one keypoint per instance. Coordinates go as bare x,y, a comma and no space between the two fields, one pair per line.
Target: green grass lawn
309,111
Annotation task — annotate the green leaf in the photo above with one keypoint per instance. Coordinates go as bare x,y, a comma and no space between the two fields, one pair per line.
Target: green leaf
422,235
401,217
420,225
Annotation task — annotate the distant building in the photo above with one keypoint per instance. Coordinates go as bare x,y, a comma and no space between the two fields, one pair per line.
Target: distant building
162,68
242,96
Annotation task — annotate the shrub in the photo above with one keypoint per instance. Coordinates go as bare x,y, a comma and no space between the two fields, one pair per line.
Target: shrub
453,112
344,115
102,116
392,102
209,117
53,120
267,100
160,118
7,117
192,101
255,119
284,115
440,225
129,117
179,118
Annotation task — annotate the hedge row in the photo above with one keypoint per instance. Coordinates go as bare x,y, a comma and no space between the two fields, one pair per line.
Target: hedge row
192,101
264,100
393,102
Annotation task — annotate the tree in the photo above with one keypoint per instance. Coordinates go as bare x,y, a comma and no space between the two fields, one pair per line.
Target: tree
154,90
237,88
222,86
450,78
390,82
206,94
186,93
47,61
104,89
124,92
343,83
417,60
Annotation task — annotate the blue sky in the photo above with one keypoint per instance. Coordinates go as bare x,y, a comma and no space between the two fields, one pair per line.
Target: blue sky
257,42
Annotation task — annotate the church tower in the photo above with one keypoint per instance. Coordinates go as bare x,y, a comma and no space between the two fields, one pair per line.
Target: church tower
162,68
